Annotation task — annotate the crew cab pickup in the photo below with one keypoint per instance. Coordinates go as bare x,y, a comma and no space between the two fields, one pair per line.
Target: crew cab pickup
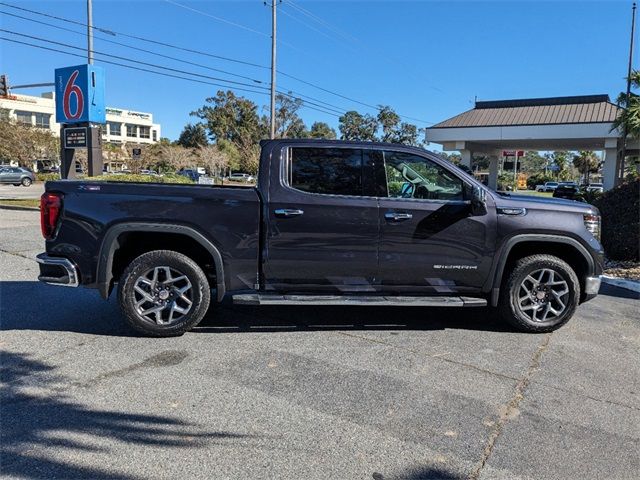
328,223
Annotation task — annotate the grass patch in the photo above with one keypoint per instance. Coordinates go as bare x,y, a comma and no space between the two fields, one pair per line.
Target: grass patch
21,202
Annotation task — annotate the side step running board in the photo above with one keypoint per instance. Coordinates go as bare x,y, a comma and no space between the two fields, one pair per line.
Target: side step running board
271,299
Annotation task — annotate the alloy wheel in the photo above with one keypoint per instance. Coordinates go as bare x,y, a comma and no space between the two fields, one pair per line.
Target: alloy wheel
543,295
163,295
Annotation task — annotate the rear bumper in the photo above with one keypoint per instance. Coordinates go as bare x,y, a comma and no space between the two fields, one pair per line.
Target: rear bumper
57,271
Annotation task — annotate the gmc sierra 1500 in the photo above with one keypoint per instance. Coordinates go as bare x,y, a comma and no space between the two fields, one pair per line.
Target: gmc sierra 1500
329,222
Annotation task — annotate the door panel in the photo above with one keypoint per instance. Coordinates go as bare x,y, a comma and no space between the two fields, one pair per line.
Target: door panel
429,241
321,241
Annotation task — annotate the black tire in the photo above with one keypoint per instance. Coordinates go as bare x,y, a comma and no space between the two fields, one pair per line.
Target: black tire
199,293
514,293
16,184
26,182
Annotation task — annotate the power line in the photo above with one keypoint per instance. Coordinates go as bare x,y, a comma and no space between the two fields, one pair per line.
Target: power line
118,57
132,67
219,19
323,22
163,67
144,50
197,52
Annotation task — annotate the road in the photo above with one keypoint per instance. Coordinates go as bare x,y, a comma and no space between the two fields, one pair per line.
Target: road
309,393
9,191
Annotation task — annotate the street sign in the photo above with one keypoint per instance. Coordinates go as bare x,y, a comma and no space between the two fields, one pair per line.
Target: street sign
75,137
80,94
513,153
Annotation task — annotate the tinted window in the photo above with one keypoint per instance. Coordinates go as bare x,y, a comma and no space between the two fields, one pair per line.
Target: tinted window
413,176
335,171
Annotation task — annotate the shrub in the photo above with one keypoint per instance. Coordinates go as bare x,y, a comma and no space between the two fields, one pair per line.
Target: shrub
620,209
47,177
130,177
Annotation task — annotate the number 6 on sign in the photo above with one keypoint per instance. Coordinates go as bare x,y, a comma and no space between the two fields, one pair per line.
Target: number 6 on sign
69,89
80,94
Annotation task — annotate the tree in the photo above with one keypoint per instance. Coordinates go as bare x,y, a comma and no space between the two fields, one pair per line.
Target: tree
355,126
586,162
532,162
25,143
561,160
193,136
322,130
233,123
395,131
389,121
629,115
288,122
213,159
175,156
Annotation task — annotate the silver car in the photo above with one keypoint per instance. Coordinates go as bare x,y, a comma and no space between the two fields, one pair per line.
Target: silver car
17,176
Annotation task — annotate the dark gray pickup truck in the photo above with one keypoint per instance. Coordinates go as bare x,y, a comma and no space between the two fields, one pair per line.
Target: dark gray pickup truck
329,223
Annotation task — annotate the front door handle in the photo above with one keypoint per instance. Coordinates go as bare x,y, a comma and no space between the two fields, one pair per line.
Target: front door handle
398,216
288,212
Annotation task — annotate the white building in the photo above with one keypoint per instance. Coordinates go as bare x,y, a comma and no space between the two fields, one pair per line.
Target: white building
122,125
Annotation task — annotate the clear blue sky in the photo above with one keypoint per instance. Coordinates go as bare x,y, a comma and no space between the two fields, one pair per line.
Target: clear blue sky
426,59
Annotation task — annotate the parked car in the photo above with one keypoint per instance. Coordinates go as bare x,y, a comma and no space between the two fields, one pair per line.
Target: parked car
241,177
568,191
594,187
328,223
17,176
547,187
149,172
191,173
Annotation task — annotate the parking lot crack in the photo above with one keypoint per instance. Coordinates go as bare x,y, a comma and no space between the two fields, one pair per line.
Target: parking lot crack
17,254
511,409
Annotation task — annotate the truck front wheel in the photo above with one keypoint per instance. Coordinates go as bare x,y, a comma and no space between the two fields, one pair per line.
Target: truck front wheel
163,293
540,295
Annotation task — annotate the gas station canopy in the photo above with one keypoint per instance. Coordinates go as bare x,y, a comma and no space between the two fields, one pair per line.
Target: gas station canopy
559,123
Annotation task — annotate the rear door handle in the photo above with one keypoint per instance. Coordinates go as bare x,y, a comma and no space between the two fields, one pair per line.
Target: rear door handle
398,216
288,212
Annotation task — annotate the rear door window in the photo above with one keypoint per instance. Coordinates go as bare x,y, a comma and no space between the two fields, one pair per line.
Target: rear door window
329,171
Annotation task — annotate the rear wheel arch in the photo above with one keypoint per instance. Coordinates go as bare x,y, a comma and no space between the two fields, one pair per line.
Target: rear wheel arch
125,241
565,248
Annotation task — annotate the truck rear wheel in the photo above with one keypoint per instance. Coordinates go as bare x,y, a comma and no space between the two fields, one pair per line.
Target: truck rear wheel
163,293
540,295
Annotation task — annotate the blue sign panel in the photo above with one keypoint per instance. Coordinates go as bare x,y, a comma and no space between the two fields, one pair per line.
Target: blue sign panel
80,94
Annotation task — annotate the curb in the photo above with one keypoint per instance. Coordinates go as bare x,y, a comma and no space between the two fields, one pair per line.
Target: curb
17,207
632,285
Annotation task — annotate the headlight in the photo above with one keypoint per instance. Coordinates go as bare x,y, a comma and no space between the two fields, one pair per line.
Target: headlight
592,223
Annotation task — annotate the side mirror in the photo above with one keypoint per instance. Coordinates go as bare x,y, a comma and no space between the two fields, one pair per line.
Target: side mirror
478,201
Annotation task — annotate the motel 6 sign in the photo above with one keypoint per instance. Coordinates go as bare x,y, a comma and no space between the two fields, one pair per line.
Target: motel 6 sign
80,94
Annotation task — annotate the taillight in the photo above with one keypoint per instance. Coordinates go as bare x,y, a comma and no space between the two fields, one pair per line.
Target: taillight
50,208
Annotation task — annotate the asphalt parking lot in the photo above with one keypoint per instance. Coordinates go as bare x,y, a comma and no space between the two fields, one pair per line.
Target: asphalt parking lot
309,393
33,191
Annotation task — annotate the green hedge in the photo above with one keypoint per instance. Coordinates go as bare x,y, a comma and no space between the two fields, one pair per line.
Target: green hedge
46,177
620,209
130,177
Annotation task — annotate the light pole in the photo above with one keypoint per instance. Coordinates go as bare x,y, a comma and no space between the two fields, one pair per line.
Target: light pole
273,69
89,32
628,96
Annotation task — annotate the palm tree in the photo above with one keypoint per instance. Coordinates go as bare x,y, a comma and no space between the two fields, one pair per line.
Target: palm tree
629,115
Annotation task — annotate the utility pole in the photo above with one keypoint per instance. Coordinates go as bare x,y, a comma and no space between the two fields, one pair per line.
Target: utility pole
628,97
89,32
273,68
